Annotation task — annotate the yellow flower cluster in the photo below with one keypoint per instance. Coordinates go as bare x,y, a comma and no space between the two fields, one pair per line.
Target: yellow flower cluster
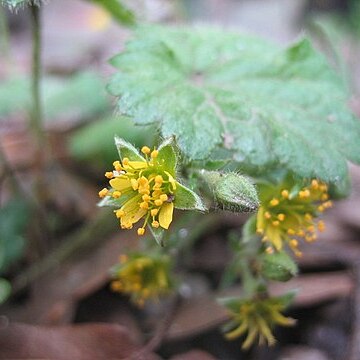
288,213
256,318
142,277
144,189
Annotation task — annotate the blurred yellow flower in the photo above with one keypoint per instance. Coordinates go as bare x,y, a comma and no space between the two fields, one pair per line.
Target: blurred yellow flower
289,212
256,318
142,277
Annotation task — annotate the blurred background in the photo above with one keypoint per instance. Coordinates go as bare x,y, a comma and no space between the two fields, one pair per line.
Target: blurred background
54,240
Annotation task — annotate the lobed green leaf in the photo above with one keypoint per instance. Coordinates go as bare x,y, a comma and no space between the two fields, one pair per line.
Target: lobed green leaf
270,107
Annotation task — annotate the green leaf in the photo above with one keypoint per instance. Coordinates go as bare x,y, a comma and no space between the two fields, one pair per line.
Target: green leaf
167,155
278,266
186,199
118,11
126,150
158,235
5,290
271,107
231,191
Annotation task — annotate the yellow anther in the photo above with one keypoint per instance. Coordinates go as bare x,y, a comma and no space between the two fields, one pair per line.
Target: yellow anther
323,187
324,197
156,193
144,190
140,232
103,192
154,212
109,174
294,243
311,228
274,202
119,213
159,179
328,204
285,194
281,217
163,197
321,208
276,223
158,202
125,161
143,181
145,150
146,197
144,205
116,194
321,226
267,215
134,184
117,166
308,217
300,233
154,154
291,231
116,286
304,194
157,186
155,224
314,184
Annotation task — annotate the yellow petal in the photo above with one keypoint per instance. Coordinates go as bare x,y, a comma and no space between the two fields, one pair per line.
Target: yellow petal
166,214
171,180
137,165
133,212
120,184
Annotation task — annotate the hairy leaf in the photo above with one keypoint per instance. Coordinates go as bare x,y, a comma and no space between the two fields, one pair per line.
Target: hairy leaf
268,106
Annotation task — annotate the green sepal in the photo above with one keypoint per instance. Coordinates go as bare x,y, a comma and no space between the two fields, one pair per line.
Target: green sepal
158,235
249,229
286,299
232,192
186,199
278,266
167,155
126,150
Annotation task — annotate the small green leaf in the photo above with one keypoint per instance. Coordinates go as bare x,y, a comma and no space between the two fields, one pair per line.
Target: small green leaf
5,290
167,155
186,199
158,235
278,266
232,191
126,150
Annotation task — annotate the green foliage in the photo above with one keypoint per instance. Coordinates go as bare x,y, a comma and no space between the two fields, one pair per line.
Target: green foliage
279,266
117,10
13,220
270,107
75,97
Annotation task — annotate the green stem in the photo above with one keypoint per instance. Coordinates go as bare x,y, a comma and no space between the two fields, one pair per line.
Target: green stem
36,120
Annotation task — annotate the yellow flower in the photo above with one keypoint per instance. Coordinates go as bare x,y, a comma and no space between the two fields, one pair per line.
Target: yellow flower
256,318
143,187
142,277
289,212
